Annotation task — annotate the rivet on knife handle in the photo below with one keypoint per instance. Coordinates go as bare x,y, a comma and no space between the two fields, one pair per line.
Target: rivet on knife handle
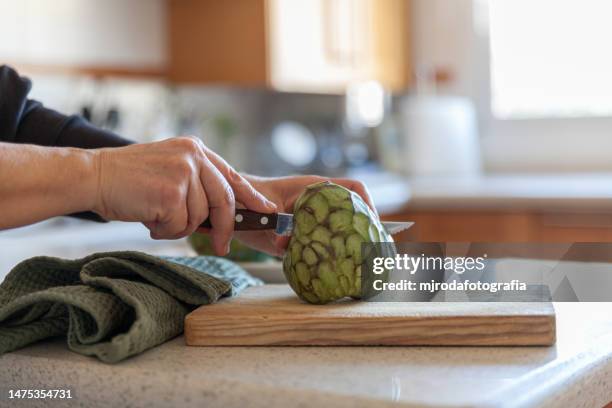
247,220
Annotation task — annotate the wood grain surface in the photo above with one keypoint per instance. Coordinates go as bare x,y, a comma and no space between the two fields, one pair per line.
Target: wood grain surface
272,315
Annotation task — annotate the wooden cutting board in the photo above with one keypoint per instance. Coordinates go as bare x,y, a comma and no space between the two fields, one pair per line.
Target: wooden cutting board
272,315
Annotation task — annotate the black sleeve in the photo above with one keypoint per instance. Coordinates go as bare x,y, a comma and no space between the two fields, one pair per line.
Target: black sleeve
26,121
23,120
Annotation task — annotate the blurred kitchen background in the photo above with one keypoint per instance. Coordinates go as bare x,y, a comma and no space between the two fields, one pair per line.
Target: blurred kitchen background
481,120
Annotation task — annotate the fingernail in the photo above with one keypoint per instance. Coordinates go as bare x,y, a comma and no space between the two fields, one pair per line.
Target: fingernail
227,248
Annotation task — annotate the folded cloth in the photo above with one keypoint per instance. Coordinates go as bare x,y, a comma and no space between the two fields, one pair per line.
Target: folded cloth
111,305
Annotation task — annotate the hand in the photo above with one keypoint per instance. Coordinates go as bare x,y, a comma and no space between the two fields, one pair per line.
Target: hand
283,192
171,187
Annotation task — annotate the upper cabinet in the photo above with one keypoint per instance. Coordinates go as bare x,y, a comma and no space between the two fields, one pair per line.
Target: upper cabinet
88,36
287,45
319,46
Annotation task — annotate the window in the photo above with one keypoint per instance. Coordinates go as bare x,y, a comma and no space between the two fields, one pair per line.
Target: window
550,58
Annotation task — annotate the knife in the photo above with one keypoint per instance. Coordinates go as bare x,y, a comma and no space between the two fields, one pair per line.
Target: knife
282,224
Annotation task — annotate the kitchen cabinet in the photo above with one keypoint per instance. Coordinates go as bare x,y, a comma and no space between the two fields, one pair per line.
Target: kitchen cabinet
312,46
465,225
84,36
509,208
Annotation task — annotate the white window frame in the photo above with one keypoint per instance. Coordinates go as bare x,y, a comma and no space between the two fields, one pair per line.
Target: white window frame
582,144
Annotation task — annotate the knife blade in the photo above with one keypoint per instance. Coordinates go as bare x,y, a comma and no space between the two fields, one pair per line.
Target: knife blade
282,223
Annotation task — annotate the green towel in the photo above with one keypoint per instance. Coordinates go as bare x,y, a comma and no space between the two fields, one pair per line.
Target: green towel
110,305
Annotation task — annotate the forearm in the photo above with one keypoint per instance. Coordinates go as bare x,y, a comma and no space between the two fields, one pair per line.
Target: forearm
41,182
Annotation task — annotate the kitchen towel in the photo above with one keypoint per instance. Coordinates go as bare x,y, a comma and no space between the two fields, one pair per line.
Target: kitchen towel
110,305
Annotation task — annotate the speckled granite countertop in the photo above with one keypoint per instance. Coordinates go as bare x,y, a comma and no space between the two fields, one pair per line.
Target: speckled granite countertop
577,372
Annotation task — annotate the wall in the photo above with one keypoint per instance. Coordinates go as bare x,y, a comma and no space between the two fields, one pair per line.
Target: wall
443,38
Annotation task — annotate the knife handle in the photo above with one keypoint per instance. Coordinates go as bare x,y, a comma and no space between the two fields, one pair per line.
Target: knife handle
247,220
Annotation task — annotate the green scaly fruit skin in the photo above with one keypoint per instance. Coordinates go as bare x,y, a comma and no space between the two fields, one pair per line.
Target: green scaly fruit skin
323,262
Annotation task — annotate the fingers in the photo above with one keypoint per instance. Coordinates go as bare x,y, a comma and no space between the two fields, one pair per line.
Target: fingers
175,218
197,206
244,192
209,188
239,189
280,244
221,203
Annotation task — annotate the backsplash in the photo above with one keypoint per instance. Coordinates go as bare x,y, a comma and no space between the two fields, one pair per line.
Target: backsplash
235,122
144,107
